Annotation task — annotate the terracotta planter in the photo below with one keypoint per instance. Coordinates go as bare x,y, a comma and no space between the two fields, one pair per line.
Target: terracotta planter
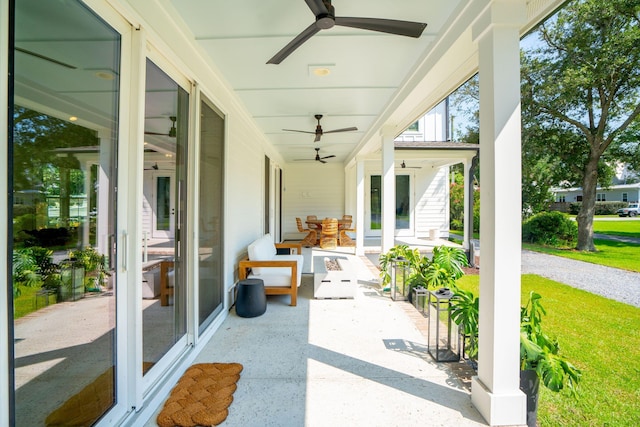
530,386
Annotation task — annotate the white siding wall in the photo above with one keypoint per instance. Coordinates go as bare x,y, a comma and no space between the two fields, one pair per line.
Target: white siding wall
611,195
311,189
432,202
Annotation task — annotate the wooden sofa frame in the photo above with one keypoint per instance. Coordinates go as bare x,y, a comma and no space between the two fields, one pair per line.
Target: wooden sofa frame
245,265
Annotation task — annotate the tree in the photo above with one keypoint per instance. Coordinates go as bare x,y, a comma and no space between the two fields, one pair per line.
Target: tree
584,81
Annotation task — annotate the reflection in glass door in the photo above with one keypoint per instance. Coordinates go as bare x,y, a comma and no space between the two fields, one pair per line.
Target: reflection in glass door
210,255
63,146
165,153
165,207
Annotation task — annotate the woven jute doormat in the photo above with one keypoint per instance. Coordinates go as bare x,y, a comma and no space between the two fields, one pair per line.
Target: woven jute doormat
202,396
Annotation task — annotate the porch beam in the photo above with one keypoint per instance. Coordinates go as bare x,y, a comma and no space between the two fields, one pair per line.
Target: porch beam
495,390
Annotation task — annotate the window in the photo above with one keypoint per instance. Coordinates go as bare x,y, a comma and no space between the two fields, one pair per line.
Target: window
579,198
562,198
625,197
601,197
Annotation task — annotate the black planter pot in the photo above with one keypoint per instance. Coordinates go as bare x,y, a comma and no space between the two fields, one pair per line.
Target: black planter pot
530,385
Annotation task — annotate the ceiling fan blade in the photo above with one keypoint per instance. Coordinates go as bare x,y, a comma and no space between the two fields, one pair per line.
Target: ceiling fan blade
328,157
342,130
46,58
317,7
317,138
294,44
391,26
321,161
157,133
301,131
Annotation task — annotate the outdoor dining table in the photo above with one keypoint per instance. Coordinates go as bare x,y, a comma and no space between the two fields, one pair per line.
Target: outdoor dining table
317,224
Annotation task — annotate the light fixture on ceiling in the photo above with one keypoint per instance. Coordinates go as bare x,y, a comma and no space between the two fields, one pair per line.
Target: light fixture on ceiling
105,75
321,70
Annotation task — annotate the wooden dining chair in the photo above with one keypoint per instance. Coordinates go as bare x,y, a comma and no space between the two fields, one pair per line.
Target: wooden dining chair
329,233
312,235
343,238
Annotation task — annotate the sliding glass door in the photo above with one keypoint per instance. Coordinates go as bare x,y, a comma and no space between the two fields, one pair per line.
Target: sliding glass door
62,154
164,301
210,244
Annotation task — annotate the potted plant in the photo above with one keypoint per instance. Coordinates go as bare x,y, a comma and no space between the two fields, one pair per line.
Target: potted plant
95,267
442,270
465,310
540,359
399,252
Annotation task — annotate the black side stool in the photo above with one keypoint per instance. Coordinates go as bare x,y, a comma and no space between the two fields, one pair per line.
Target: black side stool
251,300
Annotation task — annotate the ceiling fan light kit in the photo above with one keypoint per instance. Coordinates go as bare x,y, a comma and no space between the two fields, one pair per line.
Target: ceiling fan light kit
326,19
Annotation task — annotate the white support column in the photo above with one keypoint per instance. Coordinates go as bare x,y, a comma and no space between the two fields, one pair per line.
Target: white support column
467,182
86,169
388,196
495,391
104,185
359,219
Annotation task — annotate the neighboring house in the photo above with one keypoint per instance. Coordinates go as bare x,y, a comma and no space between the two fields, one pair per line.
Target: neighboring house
615,193
188,126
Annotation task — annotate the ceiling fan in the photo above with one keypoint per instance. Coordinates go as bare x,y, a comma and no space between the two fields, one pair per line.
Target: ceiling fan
46,58
172,130
318,158
319,132
326,18
403,165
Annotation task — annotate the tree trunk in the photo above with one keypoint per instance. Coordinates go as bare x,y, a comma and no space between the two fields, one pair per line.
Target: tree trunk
588,207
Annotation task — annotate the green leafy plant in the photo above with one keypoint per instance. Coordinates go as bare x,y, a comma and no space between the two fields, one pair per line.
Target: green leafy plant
465,310
397,252
442,270
24,270
540,352
94,264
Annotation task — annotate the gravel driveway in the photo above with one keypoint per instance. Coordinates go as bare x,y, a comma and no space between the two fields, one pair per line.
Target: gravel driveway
613,283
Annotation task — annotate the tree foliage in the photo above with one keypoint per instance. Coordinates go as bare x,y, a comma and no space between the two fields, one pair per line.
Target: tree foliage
582,86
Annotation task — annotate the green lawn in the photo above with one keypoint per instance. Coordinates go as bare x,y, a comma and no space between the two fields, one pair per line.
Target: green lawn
620,227
601,337
26,302
610,253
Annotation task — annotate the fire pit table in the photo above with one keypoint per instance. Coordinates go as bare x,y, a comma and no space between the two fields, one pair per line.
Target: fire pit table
333,278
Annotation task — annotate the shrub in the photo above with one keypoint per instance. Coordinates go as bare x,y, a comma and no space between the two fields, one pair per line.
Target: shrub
602,208
48,237
550,228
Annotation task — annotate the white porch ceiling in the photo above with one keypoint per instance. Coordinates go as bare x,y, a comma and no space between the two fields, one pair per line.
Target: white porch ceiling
377,81
367,68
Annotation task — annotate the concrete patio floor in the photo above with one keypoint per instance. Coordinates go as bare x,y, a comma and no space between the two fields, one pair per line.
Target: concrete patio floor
356,362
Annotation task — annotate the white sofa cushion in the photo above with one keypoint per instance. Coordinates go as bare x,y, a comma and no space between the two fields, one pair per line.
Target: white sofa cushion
262,249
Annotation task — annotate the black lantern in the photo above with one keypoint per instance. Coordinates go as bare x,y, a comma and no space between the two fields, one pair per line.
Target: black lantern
443,335
420,297
400,270
72,278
